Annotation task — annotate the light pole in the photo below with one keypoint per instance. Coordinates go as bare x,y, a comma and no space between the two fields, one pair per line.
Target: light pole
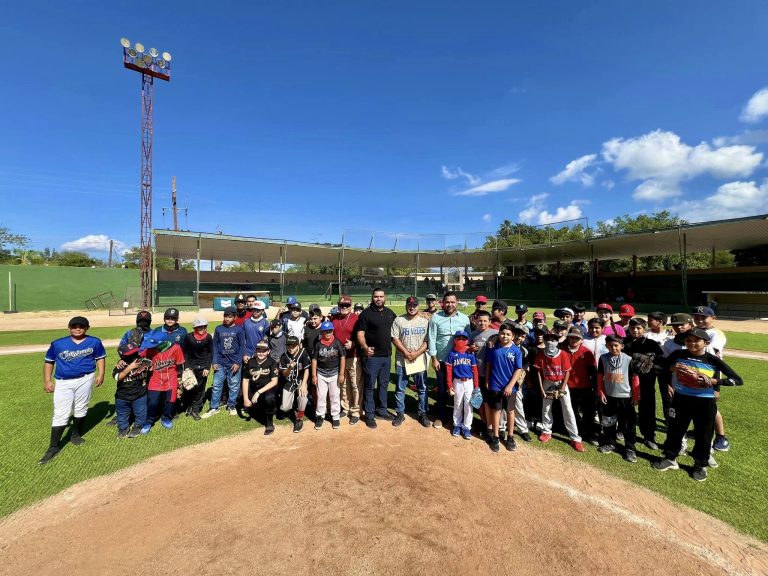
151,64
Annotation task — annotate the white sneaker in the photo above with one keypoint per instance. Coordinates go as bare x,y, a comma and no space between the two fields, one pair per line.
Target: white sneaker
233,411
211,412
712,462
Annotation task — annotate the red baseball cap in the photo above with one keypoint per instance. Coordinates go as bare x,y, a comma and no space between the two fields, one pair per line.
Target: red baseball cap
482,299
604,306
539,316
627,310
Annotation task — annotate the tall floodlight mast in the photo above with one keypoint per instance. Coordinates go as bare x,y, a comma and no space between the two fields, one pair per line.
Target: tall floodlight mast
150,64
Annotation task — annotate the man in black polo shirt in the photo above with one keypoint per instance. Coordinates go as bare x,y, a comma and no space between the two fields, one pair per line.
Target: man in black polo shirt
374,329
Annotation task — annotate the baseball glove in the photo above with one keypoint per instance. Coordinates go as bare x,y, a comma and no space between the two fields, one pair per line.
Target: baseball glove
642,363
555,394
476,399
188,379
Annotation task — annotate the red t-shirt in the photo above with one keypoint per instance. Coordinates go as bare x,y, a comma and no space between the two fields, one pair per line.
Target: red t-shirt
344,331
164,376
582,364
553,369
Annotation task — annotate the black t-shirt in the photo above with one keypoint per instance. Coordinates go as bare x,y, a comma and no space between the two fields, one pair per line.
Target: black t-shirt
134,385
328,357
260,374
198,353
311,335
293,380
377,326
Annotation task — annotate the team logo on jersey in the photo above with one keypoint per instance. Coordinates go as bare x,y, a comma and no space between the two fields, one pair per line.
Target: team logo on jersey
228,342
69,355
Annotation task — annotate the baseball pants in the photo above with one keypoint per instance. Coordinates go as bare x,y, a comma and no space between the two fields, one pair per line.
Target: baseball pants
620,412
71,396
328,386
353,383
462,409
569,419
520,422
288,398
646,410
265,404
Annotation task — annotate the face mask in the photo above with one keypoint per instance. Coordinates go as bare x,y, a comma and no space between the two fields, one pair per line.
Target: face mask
460,345
143,325
327,336
550,348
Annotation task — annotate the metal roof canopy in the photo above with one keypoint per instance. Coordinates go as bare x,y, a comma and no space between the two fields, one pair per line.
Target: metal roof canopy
732,234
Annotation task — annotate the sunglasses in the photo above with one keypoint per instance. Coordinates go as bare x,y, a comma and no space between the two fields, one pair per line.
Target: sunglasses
345,305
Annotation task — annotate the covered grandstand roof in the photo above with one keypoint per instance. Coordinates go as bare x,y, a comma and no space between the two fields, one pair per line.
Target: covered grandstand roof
731,234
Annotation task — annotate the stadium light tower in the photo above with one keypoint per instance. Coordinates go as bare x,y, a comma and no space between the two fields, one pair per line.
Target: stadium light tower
151,64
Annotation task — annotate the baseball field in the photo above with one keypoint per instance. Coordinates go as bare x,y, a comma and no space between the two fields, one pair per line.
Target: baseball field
217,496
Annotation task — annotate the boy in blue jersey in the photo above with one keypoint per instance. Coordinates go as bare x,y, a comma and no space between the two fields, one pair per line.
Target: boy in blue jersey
255,328
696,376
462,377
171,330
503,368
79,362
228,348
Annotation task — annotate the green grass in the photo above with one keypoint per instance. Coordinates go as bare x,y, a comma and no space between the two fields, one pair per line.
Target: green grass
746,341
735,492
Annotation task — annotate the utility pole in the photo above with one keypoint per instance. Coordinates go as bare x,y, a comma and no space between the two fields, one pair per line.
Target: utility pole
175,217
111,247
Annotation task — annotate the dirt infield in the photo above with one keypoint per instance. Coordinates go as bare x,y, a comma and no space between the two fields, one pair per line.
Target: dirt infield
354,501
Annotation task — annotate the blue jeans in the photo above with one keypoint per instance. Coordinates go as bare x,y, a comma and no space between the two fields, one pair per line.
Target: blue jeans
154,399
224,373
123,410
376,373
420,379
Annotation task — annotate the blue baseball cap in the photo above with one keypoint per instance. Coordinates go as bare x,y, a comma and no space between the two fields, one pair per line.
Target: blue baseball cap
703,311
460,334
291,300
326,326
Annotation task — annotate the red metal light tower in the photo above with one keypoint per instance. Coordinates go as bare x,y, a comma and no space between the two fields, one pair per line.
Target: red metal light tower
151,64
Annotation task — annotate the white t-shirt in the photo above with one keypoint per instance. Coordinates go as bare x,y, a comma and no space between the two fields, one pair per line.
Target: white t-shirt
596,346
661,337
717,341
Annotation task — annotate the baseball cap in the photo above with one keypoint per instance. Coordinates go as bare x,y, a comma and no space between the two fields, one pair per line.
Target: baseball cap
239,298
703,311
614,338
431,297
262,345
637,321
128,349
172,313
274,323
314,307
292,340
411,301
291,300
79,321
559,325
460,334
539,316
144,315
604,306
579,307
575,332
359,306
627,310
561,312
230,311
680,318
199,321
698,333
521,308
517,327
481,299
295,306
326,326
345,299
152,341
499,305
259,305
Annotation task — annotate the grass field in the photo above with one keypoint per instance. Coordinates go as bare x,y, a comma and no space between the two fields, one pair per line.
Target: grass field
734,493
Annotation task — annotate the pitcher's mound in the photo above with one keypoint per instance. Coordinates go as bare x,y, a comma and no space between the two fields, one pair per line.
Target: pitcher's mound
354,501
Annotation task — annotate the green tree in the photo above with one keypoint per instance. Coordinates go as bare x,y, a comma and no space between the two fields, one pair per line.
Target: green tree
132,259
9,242
252,267
78,259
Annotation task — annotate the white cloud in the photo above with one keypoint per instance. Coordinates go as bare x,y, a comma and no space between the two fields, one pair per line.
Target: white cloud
656,190
94,243
608,184
486,217
456,173
575,171
535,212
489,187
661,155
505,170
731,200
749,137
757,107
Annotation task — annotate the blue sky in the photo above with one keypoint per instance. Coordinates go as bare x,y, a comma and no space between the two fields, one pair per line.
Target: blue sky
301,120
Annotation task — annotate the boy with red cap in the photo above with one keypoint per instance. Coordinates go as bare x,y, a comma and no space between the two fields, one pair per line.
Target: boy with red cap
626,312
480,304
605,313
581,383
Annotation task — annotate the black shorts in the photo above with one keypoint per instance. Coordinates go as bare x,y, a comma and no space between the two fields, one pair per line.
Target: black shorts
494,399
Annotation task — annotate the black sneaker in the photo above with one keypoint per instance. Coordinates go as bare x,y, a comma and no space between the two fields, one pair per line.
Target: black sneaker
353,420
370,422
664,465
424,421
134,432
269,429
630,456
593,441
606,449
48,456
298,425
526,437
335,424
699,473
318,422
510,444
122,434
650,444
343,414
399,419
495,444
384,416
112,422
76,440
195,416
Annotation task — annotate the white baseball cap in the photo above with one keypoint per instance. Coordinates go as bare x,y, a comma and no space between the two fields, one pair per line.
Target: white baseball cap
259,305
199,321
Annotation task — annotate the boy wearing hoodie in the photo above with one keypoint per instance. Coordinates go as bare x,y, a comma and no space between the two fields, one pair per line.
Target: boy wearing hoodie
228,349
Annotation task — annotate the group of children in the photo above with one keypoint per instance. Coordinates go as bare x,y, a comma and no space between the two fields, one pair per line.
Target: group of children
602,372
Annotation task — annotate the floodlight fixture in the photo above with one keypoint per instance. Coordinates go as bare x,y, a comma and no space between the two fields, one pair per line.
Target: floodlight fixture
139,62
160,63
125,43
167,56
132,53
139,47
147,59
153,52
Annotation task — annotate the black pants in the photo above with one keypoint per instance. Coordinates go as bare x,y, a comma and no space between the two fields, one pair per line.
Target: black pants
684,410
621,412
265,405
583,404
646,411
192,400
666,399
